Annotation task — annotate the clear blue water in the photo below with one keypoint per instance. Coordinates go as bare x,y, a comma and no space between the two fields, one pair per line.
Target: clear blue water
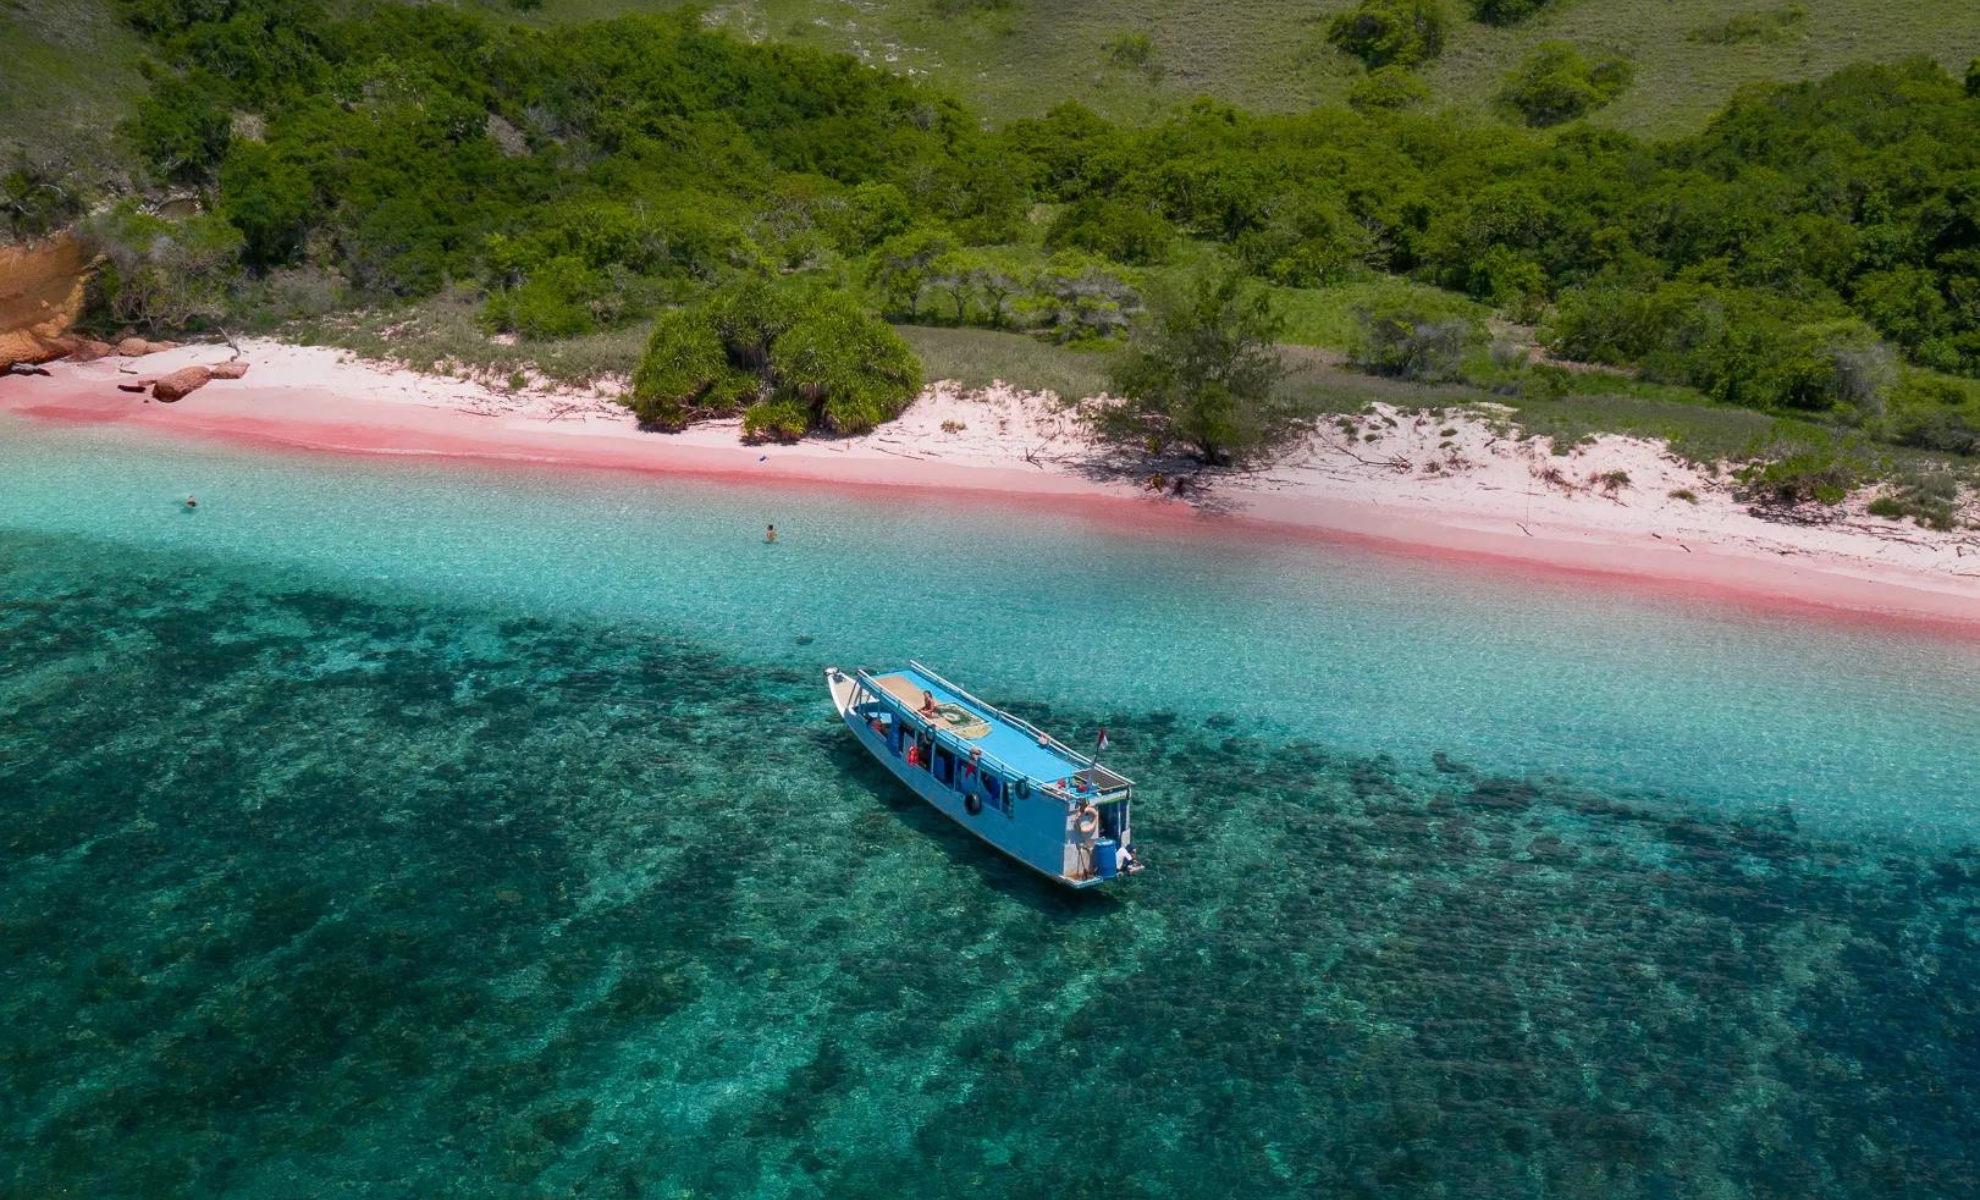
403,829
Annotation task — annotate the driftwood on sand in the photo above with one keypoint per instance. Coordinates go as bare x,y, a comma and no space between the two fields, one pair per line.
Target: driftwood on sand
180,383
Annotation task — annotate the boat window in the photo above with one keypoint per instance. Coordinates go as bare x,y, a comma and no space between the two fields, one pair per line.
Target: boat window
995,794
945,766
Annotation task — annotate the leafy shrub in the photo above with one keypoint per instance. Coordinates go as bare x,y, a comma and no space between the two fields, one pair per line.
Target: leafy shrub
182,127
1134,51
554,302
1947,431
1801,464
161,276
776,421
1387,89
1737,345
1076,298
1308,239
1505,12
1382,32
1769,25
1556,83
36,198
813,358
1929,498
1401,340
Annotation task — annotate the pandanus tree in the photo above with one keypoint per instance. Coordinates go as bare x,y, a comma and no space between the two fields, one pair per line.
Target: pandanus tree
790,358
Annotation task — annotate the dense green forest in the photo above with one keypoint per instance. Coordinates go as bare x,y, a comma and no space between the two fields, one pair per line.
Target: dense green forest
1815,250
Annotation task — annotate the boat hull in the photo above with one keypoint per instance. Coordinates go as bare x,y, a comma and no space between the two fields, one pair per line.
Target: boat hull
1038,831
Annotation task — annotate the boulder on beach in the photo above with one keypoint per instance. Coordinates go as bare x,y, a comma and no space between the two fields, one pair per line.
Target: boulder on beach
231,369
133,347
160,347
89,350
180,383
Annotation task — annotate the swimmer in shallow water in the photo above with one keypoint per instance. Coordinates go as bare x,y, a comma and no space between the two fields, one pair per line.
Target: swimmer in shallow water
770,535
192,501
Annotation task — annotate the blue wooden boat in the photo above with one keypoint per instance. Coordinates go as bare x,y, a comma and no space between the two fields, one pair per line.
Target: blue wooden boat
998,776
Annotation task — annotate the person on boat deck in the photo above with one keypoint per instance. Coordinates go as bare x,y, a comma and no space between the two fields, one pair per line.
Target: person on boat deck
927,704
969,768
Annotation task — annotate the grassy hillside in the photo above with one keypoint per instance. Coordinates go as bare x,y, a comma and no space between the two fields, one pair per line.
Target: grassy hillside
1272,54
71,69
69,75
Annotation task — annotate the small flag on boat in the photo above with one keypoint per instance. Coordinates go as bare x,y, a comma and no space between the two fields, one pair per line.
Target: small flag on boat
1101,742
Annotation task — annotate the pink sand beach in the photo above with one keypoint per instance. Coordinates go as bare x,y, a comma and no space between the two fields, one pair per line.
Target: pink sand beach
1460,486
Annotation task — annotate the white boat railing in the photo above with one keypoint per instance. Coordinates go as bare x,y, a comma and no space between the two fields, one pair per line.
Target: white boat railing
1044,737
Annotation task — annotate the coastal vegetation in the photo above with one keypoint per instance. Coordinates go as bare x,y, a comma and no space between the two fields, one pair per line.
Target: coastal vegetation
1202,370
1811,253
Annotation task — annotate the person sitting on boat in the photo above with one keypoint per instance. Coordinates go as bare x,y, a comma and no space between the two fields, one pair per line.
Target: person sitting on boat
969,768
928,704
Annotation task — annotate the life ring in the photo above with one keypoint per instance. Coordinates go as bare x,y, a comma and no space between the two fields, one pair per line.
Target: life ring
973,803
1023,789
1088,820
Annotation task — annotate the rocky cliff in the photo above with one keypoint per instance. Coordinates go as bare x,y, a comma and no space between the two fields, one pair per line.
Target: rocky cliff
41,295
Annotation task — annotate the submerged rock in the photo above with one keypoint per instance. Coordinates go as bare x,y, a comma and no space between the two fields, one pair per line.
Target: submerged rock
181,383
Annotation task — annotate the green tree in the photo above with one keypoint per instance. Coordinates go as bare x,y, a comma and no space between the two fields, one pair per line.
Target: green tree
900,269
182,128
161,276
1201,370
1403,339
1116,229
270,200
1381,32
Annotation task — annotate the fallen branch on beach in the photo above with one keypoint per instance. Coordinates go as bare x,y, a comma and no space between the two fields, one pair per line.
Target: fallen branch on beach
1392,463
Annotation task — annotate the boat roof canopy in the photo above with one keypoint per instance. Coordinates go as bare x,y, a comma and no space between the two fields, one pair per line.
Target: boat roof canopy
1010,740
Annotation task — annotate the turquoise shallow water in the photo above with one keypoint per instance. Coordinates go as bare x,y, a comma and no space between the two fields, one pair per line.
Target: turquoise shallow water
392,829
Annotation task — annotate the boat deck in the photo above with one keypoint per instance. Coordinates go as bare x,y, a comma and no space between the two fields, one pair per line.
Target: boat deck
1018,749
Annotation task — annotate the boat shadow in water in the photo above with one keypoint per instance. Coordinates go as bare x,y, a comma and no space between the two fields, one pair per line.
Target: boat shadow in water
1010,878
